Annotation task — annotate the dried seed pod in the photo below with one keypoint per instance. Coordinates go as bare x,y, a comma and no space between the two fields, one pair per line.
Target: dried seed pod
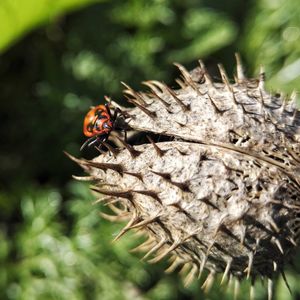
225,195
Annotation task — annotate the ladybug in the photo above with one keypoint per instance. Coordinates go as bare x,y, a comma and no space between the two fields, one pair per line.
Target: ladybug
97,124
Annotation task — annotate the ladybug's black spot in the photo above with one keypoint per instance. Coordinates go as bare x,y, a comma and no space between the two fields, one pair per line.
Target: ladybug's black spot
100,114
90,127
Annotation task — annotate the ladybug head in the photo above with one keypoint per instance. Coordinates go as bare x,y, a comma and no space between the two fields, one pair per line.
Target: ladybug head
102,126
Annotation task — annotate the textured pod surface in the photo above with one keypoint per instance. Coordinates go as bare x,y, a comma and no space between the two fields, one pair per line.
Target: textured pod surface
225,195
212,112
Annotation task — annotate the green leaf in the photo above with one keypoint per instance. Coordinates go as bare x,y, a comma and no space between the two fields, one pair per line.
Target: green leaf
18,17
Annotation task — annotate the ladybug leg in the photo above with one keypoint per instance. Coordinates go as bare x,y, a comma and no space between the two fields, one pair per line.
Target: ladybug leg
125,135
88,142
108,109
99,140
116,113
95,141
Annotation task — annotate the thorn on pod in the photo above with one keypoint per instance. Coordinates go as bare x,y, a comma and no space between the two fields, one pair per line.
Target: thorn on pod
120,194
134,153
183,106
149,193
184,186
206,75
188,79
110,148
149,113
159,151
105,166
239,69
131,92
224,77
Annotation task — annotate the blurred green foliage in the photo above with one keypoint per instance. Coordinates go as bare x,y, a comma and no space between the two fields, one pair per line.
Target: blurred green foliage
272,33
53,244
19,17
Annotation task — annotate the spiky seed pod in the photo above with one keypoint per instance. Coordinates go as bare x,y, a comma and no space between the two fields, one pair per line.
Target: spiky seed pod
225,195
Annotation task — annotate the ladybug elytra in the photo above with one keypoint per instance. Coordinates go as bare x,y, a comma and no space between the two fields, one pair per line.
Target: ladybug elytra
98,121
97,124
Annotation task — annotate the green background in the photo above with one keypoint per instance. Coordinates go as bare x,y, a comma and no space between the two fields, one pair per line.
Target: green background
57,58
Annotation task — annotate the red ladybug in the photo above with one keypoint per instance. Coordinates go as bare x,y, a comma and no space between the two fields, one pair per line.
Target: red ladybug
97,125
